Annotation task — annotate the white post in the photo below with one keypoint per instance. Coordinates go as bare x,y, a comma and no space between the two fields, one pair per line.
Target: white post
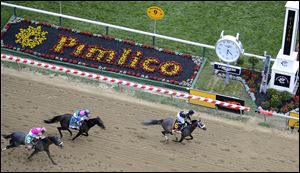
286,67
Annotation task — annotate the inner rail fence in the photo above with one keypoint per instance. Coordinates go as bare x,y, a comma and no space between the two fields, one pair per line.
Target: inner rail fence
55,68
154,35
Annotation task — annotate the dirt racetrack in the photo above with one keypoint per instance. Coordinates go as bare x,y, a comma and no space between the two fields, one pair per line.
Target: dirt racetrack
126,145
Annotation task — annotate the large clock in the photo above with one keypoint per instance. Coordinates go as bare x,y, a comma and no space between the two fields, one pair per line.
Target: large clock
229,48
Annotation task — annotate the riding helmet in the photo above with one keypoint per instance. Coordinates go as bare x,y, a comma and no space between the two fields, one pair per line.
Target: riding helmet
181,114
87,111
43,129
191,112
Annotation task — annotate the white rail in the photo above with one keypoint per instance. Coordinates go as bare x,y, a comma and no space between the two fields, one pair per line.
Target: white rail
121,28
269,113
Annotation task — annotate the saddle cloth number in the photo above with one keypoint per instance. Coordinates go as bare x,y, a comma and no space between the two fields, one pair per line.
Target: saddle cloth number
176,125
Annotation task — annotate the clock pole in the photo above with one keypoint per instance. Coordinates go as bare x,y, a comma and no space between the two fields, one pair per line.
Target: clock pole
227,74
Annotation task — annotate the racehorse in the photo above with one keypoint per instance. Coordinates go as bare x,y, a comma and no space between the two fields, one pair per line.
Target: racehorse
84,128
167,125
18,138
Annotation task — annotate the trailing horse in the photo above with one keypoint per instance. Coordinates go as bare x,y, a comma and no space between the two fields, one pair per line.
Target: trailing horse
167,125
18,138
84,128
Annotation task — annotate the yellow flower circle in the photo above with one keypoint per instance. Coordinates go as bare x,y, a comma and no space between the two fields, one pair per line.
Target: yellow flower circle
31,37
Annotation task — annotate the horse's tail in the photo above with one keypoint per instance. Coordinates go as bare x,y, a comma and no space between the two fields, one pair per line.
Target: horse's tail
153,122
53,120
6,136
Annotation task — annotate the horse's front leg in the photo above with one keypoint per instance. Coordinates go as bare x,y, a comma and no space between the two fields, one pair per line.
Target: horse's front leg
48,153
191,137
59,130
78,134
181,139
70,132
165,135
85,134
33,153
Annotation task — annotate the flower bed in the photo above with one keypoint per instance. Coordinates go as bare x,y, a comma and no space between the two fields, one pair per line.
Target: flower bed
281,102
100,52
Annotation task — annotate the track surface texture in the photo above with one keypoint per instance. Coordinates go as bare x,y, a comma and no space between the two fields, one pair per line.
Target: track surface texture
28,98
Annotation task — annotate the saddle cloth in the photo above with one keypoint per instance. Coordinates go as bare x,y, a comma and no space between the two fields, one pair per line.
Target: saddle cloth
176,127
73,123
30,140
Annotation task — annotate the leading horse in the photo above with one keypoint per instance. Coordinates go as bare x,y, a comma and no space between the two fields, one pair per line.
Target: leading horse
167,125
18,138
84,128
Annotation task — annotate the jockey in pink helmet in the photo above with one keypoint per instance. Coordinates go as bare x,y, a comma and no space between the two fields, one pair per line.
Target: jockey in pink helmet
34,135
79,116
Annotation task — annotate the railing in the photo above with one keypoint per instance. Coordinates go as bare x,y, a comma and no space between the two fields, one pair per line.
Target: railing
56,68
107,26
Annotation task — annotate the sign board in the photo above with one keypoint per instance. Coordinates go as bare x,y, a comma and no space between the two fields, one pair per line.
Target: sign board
232,69
155,13
282,80
202,94
294,123
289,33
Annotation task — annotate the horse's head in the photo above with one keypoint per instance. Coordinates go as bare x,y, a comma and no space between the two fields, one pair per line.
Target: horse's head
100,123
56,140
200,124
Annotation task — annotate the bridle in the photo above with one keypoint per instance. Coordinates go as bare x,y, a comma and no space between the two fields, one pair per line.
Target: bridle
200,124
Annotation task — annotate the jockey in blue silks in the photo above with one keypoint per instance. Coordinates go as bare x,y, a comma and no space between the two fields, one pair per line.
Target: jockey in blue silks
78,117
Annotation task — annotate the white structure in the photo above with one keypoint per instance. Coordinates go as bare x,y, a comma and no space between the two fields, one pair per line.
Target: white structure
286,67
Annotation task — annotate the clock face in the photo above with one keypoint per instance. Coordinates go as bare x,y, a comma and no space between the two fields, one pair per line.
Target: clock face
227,50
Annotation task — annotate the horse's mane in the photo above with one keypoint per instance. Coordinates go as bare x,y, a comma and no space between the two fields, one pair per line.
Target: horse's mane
193,121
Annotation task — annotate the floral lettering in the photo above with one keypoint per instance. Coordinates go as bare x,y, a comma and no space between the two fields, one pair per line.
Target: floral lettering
124,56
78,50
63,42
135,59
170,68
111,56
146,64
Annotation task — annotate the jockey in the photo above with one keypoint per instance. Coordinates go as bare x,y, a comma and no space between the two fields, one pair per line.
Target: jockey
34,135
183,117
79,116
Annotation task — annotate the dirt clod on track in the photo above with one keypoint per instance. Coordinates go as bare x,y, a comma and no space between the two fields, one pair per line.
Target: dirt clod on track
127,145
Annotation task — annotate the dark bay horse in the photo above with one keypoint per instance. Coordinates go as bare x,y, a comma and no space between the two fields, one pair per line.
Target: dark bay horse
18,138
84,128
167,124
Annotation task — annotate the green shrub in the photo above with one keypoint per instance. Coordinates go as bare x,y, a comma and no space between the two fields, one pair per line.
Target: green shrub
271,92
253,61
285,96
265,105
240,62
275,101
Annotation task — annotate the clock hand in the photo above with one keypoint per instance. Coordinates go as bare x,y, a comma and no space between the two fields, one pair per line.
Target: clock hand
229,52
